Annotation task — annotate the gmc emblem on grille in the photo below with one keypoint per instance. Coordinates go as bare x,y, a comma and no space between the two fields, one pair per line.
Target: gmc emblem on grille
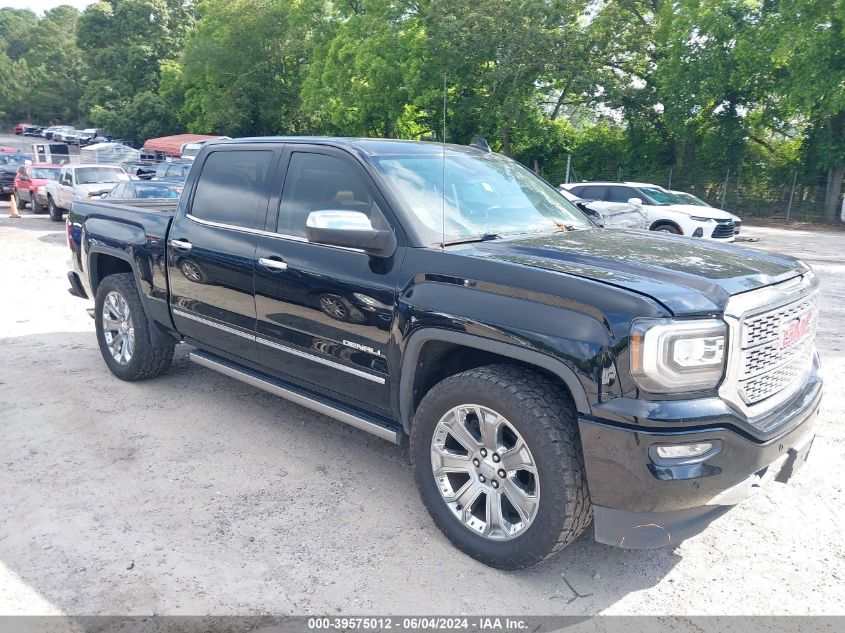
795,330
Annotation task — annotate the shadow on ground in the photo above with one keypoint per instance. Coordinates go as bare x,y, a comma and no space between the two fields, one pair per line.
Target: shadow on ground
194,493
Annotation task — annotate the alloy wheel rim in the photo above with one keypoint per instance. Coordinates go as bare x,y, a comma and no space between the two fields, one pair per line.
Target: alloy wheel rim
333,307
485,472
190,271
118,329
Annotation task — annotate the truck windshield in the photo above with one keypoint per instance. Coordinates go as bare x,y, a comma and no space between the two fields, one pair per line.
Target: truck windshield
484,195
46,173
93,175
12,159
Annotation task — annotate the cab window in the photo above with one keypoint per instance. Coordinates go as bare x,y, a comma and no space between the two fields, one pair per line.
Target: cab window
318,182
231,187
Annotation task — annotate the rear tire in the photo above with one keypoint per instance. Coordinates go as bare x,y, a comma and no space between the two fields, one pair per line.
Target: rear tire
123,331
533,412
55,211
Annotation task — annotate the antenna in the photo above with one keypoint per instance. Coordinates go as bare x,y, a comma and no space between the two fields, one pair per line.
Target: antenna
443,190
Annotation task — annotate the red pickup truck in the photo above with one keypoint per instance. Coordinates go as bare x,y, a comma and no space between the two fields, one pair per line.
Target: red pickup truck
18,129
30,185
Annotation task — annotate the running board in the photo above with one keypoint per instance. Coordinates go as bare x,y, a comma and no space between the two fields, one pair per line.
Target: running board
295,395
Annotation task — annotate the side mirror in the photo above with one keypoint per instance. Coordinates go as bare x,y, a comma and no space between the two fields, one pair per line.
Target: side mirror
635,201
350,229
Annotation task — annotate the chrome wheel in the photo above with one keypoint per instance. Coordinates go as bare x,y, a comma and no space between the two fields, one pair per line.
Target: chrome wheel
333,306
485,472
118,329
190,270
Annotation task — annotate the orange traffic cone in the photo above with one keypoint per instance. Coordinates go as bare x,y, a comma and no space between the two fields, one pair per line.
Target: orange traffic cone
13,213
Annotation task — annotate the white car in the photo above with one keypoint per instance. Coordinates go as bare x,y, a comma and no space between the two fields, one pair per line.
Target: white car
81,182
664,211
688,198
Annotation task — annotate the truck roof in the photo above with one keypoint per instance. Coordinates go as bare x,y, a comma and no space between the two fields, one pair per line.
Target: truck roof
370,146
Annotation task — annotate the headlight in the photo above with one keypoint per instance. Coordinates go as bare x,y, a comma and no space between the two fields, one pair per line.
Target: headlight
42,190
672,356
700,219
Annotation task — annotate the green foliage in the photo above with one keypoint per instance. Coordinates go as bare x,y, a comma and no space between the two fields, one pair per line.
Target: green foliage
730,96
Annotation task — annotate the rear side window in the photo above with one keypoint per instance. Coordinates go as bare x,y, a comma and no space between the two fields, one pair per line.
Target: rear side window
317,182
594,193
230,187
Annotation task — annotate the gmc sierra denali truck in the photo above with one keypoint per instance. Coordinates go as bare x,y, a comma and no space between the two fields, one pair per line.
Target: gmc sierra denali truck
545,372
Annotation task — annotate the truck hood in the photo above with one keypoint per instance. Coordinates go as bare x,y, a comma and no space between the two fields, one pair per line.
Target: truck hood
686,275
96,187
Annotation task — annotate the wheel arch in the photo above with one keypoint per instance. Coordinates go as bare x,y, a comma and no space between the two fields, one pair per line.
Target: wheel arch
664,222
466,351
103,262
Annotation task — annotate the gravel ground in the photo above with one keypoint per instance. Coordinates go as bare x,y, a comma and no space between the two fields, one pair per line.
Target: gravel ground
195,494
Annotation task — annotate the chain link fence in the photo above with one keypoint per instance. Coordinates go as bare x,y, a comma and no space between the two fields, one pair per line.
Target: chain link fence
793,196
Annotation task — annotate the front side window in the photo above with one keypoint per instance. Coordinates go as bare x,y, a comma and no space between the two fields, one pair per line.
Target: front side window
319,182
484,195
230,187
621,194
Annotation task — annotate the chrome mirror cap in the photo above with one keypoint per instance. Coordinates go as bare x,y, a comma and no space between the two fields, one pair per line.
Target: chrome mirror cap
339,220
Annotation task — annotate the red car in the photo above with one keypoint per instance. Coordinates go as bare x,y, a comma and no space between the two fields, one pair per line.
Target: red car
18,129
29,186
3,148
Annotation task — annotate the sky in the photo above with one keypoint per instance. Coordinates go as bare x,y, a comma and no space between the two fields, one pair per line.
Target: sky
40,6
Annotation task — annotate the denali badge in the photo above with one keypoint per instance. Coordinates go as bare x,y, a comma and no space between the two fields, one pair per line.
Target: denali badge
795,330
363,348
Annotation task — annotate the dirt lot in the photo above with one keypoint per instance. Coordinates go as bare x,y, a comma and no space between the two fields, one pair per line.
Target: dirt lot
196,494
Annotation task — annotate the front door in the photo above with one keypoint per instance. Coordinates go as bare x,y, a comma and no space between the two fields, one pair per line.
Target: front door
324,313
211,250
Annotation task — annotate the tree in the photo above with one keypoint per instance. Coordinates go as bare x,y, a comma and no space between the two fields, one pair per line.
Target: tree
244,63
809,64
125,43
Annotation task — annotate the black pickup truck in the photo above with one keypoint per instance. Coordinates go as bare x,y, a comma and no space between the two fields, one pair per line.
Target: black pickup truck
544,371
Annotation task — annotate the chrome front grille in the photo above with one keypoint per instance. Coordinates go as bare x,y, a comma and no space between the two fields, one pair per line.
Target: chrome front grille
770,363
724,228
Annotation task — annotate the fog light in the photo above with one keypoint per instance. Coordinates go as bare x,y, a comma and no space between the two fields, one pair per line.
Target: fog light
680,454
698,232
683,450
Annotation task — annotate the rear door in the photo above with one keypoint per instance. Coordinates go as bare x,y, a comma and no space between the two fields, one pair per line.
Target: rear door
211,249
324,312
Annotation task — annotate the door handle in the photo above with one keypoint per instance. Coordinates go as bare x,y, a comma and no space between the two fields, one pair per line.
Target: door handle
274,264
183,245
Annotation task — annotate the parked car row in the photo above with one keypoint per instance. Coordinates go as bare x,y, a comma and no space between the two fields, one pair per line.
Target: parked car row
667,211
63,134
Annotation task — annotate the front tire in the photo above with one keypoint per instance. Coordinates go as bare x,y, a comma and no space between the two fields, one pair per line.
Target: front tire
55,211
668,228
498,463
123,331
18,202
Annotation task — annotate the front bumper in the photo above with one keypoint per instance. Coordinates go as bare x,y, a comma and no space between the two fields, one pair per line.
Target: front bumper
640,504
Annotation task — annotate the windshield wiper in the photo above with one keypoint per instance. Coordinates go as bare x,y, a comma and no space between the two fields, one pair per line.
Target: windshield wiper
484,237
